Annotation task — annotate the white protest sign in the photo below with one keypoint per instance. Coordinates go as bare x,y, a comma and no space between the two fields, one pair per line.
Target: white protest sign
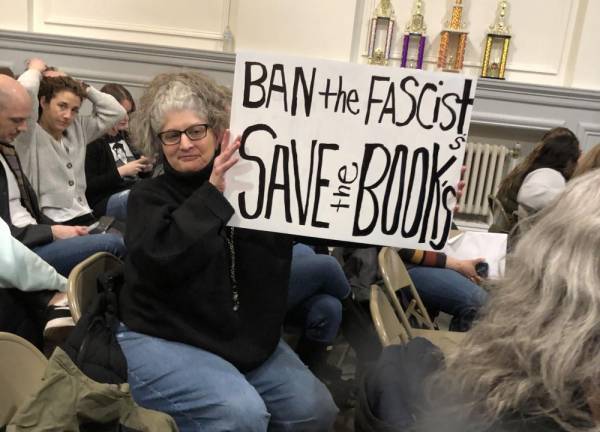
350,152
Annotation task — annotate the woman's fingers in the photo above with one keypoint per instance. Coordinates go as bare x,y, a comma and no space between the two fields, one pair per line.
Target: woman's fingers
228,151
225,140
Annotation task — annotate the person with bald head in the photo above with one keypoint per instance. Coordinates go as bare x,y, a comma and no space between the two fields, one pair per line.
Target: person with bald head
15,107
62,246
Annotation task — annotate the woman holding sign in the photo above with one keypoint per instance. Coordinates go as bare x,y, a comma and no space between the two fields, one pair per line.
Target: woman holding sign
203,303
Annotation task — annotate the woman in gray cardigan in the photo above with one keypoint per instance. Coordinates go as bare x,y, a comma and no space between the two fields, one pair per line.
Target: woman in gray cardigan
53,149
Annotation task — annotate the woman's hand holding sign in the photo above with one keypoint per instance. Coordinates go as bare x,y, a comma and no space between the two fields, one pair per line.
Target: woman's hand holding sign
224,160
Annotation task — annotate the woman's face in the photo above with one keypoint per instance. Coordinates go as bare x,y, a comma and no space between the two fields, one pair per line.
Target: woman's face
60,111
189,155
123,125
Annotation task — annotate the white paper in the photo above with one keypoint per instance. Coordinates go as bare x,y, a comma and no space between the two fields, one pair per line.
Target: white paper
473,244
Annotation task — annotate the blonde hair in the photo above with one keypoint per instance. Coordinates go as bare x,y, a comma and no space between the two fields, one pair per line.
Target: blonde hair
589,161
535,350
174,92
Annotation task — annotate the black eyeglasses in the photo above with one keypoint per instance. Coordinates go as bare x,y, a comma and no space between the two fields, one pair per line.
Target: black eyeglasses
194,133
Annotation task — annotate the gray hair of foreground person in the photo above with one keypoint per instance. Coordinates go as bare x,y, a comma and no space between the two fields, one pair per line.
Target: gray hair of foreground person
536,349
177,92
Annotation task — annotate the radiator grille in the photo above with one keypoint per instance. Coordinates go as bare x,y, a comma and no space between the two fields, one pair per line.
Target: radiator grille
487,164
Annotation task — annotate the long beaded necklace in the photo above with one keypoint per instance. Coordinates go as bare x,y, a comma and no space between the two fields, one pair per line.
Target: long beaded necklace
234,287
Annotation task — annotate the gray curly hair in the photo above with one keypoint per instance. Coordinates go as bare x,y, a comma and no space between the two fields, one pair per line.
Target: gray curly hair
536,349
174,92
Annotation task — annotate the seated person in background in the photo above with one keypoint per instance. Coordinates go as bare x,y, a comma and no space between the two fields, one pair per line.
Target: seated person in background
589,161
29,287
446,284
61,246
203,303
111,165
53,151
320,299
536,181
530,363
316,290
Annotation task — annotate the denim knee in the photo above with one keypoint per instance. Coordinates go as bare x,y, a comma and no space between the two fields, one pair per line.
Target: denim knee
240,411
111,243
323,318
236,410
312,410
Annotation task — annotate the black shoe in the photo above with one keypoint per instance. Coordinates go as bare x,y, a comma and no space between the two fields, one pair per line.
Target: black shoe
343,392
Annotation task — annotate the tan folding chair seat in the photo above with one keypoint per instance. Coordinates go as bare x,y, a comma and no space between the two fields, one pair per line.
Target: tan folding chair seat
447,341
21,372
396,277
82,283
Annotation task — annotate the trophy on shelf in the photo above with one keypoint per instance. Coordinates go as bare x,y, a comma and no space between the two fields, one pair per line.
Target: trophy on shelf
453,41
413,43
381,31
497,42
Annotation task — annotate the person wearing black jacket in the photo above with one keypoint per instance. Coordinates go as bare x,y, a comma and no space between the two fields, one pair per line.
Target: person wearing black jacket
203,303
111,165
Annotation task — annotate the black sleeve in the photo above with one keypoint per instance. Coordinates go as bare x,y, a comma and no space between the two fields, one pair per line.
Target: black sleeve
32,235
160,231
101,171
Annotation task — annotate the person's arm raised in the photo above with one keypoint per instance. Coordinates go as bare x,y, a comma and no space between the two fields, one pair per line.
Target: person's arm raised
30,79
107,112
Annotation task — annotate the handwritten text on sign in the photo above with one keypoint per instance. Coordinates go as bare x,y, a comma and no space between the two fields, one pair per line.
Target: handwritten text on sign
347,152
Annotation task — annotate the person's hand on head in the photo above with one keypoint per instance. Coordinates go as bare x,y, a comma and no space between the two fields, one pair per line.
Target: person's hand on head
67,231
225,160
37,64
52,72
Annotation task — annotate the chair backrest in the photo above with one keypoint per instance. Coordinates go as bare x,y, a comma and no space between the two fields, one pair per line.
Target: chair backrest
396,278
502,221
82,282
21,369
389,328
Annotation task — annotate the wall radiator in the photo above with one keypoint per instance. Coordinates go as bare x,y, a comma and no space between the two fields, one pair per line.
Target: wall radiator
487,165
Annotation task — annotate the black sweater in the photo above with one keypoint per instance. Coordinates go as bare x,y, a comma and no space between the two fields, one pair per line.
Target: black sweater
30,235
101,174
177,272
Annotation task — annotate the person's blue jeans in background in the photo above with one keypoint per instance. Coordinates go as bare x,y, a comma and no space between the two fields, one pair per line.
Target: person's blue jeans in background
448,291
116,206
317,286
204,392
64,254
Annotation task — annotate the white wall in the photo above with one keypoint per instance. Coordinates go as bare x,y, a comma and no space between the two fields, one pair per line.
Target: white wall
554,42
318,28
551,44
586,61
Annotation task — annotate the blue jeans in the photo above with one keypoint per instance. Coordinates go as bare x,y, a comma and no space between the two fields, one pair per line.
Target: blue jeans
446,290
204,392
317,284
65,254
116,206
